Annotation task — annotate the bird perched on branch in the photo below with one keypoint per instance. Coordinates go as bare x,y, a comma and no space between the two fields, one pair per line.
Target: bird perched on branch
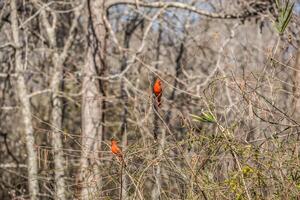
117,151
157,91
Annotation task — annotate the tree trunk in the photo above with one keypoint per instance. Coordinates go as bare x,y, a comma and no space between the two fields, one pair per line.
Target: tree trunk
91,100
25,108
59,160
90,123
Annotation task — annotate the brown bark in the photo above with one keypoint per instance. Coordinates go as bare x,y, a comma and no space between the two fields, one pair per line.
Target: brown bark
91,100
25,108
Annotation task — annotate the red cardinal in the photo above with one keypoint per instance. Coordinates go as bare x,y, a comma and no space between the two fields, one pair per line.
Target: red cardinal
117,151
157,90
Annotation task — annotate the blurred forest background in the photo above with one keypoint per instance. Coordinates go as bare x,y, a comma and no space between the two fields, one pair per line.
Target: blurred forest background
76,73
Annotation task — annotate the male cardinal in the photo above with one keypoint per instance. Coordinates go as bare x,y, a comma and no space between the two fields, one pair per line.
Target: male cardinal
117,151
157,90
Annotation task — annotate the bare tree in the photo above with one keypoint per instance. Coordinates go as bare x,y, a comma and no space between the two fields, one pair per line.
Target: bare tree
91,98
25,106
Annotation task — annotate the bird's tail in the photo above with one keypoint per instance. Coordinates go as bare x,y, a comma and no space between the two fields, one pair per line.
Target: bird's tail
157,101
121,160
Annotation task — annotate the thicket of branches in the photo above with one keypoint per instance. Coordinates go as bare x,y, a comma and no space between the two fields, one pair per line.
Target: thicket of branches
76,73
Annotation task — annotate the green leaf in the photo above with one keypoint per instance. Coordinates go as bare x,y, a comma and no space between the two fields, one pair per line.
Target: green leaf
284,17
247,170
204,117
288,17
277,4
